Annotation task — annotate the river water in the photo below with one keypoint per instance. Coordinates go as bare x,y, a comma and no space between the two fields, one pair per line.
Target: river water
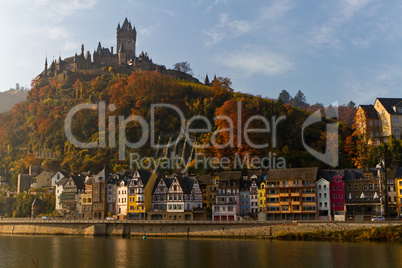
62,251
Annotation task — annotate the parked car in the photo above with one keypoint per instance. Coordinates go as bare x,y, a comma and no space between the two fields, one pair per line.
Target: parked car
45,218
111,219
378,218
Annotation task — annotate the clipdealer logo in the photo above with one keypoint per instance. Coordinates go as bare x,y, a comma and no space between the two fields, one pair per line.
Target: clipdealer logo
244,130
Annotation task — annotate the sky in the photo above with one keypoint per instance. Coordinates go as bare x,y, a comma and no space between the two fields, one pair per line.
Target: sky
334,50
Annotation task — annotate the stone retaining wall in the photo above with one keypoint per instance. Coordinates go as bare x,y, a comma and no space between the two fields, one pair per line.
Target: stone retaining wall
177,229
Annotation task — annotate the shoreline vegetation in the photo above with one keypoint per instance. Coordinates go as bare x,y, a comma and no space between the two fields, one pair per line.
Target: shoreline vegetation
387,233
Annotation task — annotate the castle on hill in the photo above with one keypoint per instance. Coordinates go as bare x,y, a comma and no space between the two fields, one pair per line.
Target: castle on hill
125,57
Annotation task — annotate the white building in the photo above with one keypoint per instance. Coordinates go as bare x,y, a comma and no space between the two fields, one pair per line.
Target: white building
122,198
323,199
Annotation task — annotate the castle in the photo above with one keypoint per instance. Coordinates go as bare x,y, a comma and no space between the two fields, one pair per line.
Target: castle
125,56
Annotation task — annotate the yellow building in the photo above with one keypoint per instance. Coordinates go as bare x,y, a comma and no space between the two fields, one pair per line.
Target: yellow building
262,197
209,185
291,194
368,124
398,186
380,121
211,191
140,194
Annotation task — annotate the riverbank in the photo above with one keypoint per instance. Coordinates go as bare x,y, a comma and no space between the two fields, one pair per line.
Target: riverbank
386,233
291,230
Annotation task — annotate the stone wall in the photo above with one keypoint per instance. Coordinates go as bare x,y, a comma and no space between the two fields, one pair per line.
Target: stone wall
176,229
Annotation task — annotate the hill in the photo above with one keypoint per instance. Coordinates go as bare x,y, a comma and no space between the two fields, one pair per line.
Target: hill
32,133
11,97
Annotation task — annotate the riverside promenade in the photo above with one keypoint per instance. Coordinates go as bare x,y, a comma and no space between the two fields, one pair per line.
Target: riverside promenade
207,229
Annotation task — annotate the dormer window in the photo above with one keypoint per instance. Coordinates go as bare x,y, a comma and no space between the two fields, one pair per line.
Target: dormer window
399,110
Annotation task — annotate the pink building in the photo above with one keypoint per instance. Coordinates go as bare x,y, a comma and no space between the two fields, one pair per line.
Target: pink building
337,194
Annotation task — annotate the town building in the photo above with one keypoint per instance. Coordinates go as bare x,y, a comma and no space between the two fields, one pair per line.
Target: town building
398,186
380,121
368,124
364,194
291,194
227,201
87,199
323,199
99,195
136,195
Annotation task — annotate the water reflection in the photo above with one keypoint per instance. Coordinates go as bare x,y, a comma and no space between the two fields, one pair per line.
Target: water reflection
51,251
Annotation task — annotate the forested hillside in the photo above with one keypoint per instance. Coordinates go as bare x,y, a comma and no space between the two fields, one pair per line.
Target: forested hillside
37,125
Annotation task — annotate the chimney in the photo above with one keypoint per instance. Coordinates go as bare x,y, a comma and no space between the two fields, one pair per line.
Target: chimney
112,50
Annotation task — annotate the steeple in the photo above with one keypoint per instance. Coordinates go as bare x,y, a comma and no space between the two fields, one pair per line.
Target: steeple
206,82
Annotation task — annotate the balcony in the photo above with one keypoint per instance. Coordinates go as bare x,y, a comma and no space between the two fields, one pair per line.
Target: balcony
295,202
362,201
294,194
283,194
285,203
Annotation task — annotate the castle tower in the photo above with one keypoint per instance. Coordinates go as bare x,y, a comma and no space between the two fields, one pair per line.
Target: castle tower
45,71
126,39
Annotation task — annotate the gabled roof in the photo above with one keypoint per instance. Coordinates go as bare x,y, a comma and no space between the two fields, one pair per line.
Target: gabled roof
257,172
353,174
145,175
245,185
62,181
293,173
398,173
230,175
44,175
388,103
64,173
104,174
369,111
204,178
78,181
329,174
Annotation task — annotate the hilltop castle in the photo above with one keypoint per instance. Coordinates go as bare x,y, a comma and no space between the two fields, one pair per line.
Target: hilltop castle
103,57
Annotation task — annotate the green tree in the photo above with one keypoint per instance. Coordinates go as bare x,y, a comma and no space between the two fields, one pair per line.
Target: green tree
284,96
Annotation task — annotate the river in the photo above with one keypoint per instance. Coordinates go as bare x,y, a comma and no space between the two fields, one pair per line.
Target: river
66,251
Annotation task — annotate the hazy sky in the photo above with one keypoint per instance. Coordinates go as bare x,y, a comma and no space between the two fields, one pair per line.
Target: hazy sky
331,50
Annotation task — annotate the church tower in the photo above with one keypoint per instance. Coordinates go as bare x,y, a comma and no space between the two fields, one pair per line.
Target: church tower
126,39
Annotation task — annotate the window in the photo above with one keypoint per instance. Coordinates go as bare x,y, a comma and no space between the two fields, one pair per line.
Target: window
319,195
335,196
340,204
326,204
340,196
340,188
383,112
334,188
371,186
356,188
395,119
335,204
320,205
349,188
399,110
325,187
325,195
319,187
365,187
